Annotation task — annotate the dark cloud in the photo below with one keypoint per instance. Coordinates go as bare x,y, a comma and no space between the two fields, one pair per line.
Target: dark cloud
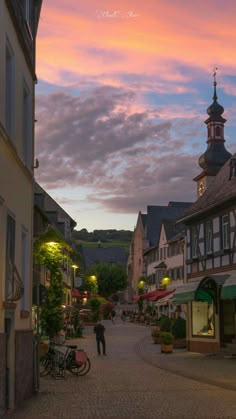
128,158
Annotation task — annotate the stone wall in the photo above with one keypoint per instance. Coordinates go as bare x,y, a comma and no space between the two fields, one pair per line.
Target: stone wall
24,370
2,373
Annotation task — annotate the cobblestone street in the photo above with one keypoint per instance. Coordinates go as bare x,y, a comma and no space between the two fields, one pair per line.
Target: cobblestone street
127,384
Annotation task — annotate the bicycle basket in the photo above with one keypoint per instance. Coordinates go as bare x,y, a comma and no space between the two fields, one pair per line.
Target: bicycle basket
80,357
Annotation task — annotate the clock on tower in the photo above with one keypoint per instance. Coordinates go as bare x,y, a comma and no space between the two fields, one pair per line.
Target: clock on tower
201,188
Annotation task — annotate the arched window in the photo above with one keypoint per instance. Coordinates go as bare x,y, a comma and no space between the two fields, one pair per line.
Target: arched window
209,131
217,131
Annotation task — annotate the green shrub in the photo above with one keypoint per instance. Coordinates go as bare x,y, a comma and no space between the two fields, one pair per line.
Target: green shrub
179,328
156,334
166,338
95,304
165,324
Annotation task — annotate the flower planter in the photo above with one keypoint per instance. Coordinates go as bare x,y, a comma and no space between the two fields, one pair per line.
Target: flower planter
43,348
167,349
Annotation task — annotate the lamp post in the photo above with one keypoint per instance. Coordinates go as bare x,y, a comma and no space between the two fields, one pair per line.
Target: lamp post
74,275
93,280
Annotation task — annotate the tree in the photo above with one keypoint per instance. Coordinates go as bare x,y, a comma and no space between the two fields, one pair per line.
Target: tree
110,278
50,250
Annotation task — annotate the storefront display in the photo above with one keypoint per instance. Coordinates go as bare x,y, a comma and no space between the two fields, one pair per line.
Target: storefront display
203,319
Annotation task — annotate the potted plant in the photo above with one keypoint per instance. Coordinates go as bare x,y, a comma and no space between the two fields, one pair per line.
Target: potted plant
156,335
166,342
165,324
179,333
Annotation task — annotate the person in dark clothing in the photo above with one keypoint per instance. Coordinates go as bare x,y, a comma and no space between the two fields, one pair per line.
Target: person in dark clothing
113,313
99,329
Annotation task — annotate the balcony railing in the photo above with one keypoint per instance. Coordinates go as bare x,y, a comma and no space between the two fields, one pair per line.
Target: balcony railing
14,284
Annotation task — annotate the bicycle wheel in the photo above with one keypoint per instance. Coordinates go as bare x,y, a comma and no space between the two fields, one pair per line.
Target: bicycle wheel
85,368
79,369
44,365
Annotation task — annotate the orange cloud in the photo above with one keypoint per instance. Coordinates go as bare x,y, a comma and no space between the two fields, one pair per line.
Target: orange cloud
73,42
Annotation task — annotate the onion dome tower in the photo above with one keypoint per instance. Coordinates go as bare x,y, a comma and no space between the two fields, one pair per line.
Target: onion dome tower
216,154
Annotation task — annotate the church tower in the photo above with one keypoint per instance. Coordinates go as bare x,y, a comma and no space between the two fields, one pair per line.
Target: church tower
216,154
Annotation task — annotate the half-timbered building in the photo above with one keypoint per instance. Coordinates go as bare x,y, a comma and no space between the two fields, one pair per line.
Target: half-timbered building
210,289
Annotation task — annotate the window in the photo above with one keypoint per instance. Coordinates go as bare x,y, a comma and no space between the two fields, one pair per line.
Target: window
209,237
25,269
209,131
27,131
27,13
225,232
9,91
217,131
194,243
203,319
10,257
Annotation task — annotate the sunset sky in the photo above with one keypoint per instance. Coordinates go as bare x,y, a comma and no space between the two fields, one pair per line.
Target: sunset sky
123,88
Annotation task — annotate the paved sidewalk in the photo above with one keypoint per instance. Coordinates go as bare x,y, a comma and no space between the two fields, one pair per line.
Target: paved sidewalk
210,369
136,381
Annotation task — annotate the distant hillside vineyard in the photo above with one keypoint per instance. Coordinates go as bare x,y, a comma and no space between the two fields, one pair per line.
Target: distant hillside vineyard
103,236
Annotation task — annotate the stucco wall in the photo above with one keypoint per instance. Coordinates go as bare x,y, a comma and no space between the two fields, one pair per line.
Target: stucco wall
2,373
24,372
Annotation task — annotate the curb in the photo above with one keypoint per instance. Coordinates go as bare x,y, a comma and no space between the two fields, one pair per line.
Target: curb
148,358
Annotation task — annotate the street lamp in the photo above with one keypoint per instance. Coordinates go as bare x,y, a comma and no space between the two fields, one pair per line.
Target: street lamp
74,267
93,280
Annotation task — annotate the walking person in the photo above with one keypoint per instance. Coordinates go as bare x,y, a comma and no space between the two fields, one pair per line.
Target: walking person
113,313
99,329
123,316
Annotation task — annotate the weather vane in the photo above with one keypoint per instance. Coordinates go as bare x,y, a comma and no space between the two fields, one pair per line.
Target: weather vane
214,73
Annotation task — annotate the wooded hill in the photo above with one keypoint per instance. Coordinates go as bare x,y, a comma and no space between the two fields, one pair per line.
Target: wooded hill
104,236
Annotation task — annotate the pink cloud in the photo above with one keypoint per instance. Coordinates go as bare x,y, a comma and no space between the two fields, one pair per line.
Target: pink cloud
163,35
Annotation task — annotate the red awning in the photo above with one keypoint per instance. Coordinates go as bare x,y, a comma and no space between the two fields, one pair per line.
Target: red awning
147,295
160,294
77,294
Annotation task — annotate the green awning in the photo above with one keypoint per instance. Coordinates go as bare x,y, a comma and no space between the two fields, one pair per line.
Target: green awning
185,293
228,291
202,290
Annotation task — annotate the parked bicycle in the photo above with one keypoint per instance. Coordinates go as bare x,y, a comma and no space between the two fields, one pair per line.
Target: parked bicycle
60,358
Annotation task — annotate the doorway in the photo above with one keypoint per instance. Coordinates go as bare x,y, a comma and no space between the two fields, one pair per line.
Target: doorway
228,321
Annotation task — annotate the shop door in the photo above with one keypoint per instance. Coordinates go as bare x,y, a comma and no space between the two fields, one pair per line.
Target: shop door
228,324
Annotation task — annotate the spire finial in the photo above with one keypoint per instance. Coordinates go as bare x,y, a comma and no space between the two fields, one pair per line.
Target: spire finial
215,84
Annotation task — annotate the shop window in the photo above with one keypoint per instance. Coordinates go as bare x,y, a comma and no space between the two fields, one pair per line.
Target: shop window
203,318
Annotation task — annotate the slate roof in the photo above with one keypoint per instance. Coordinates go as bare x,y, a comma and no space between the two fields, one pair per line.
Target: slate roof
220,191
156,214
92,255
172,229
